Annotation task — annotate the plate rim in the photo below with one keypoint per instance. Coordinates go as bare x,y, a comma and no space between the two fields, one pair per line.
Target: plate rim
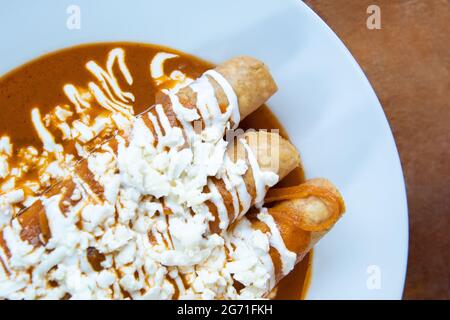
362,75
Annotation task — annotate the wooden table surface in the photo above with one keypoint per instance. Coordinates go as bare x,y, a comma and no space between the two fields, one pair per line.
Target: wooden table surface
407,62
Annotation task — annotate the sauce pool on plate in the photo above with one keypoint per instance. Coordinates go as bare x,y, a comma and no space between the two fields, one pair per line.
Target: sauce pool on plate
39,85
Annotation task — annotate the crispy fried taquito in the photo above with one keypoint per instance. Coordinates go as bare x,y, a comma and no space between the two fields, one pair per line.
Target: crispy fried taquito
273,154
303,215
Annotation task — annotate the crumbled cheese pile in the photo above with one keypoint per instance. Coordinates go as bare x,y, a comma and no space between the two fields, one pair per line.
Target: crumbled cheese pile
150,228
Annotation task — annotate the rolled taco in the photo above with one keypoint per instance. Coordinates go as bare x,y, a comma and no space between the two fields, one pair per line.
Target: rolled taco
268,157
299,218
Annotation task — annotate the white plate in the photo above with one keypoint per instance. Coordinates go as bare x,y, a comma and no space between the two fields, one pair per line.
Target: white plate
325,102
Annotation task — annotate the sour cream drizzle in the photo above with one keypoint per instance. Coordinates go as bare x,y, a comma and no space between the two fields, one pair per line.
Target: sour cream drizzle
262,179
157,65
108,80
46,137
231,96
288,258
217,199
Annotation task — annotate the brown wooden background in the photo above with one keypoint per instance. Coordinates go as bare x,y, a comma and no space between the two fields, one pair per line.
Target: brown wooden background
408,61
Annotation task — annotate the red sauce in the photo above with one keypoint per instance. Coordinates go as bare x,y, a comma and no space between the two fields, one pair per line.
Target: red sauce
39,83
